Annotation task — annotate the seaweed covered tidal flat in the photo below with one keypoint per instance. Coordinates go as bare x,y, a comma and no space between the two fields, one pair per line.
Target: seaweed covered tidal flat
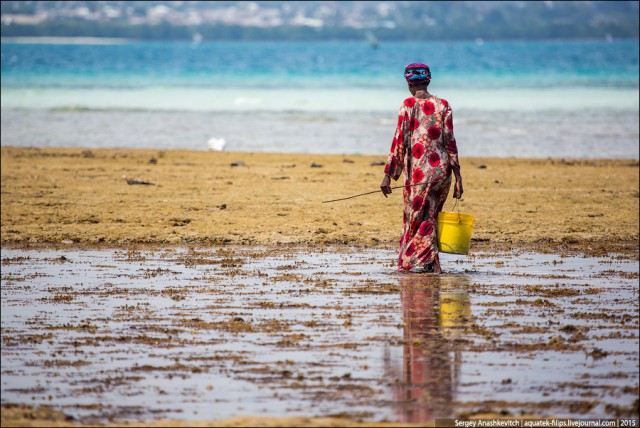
187,288
123,196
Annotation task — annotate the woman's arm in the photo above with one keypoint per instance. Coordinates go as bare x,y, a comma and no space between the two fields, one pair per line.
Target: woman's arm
395,160
452,148
457,189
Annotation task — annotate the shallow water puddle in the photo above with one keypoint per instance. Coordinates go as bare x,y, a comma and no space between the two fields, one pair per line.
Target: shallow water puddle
121,335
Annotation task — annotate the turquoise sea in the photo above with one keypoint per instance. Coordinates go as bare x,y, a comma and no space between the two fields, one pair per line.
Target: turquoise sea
576,99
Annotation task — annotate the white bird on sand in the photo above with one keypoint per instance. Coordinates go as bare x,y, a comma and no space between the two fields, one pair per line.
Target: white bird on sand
216,144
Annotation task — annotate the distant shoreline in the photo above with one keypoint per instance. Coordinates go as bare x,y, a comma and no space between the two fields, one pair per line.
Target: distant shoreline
68,40
80,40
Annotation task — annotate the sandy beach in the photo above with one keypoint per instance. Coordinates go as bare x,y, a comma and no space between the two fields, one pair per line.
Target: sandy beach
94,197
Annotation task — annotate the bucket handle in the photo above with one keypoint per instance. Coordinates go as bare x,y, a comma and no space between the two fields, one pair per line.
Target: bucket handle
457,204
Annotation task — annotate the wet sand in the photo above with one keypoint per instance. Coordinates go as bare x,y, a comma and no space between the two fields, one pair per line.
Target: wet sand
72,196
232,333
234,252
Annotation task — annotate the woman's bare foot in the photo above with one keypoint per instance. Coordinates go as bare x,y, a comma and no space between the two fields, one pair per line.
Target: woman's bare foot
433,267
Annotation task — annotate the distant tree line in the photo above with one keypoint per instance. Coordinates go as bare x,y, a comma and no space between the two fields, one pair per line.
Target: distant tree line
485,30
431,20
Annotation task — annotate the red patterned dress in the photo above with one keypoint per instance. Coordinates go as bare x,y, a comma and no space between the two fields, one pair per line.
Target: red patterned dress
424,149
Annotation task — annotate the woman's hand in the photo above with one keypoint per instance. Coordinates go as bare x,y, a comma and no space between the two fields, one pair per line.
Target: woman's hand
385,186
457,190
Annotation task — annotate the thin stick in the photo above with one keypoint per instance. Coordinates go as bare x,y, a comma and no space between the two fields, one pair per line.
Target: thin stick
370,193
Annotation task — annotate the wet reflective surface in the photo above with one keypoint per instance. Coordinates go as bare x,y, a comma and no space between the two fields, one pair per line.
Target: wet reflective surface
124,335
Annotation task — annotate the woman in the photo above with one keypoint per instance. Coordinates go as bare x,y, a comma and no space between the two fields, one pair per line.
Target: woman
424,148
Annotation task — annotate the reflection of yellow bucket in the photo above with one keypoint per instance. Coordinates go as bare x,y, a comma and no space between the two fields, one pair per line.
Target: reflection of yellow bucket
455,309
454,232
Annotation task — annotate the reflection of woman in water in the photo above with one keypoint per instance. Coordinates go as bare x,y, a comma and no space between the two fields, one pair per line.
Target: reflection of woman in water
429,373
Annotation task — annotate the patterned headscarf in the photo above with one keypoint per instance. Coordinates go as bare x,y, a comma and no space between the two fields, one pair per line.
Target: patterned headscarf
417,73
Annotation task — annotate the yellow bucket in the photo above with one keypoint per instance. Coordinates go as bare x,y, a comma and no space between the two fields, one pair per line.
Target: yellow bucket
454,232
